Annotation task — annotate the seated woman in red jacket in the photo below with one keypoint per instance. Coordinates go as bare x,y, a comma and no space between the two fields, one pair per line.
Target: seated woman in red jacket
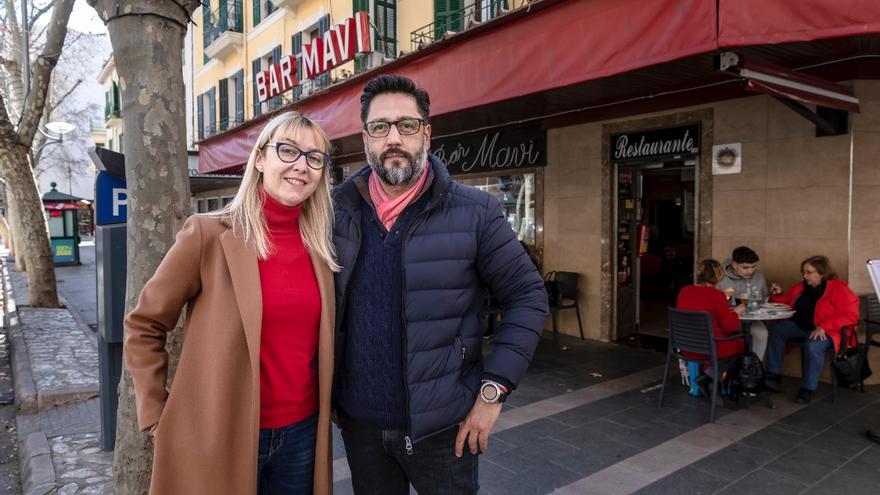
706,297
823,305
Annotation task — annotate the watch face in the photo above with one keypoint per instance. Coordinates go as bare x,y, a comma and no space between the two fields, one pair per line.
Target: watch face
489,392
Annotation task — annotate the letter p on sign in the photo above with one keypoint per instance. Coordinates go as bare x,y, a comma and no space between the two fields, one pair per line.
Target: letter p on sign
120,198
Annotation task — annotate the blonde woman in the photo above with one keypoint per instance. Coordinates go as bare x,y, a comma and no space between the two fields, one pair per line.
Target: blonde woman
249,408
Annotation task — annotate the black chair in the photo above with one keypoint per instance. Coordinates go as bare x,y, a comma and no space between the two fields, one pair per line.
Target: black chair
564,296
692,331
872,322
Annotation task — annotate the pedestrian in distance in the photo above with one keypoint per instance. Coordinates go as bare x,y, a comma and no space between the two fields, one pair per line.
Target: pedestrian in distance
414,397
249,408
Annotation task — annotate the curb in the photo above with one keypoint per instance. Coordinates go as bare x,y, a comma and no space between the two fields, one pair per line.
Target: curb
35,460
25,388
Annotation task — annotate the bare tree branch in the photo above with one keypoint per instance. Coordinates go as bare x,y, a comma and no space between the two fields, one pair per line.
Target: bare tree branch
51,106
39,13
43,69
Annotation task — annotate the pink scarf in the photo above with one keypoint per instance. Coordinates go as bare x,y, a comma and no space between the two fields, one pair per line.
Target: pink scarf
389,209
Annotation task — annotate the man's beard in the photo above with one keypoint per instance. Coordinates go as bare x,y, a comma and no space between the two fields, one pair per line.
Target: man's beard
401,175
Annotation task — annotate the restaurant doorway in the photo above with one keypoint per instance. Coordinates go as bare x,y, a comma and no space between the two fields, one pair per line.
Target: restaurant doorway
656,218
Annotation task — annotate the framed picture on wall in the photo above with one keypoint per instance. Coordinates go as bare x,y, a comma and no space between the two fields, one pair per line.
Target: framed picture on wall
727,159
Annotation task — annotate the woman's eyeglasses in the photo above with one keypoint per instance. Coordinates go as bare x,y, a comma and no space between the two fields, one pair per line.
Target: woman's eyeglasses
289,153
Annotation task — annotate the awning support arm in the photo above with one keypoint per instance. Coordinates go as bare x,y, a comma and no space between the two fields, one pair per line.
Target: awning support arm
823,125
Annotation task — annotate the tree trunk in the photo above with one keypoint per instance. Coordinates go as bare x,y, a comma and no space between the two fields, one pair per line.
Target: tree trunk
148,61
31,229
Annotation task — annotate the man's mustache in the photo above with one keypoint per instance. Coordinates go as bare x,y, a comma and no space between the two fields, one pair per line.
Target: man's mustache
395,151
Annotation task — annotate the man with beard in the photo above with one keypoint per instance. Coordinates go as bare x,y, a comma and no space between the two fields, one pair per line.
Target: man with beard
413,395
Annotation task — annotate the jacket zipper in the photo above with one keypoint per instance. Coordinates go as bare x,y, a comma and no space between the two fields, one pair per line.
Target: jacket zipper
407,437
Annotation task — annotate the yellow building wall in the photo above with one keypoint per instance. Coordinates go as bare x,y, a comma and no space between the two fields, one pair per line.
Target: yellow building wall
278,28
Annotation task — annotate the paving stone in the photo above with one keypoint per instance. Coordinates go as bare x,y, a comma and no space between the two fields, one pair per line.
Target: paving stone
806,464
763,482
687,480
733,462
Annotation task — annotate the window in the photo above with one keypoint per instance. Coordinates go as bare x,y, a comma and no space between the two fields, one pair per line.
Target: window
122,143
231,100
202,206
213,204
448,17
385,14
258,65
226,200
262,10
516,193
205,113
296,49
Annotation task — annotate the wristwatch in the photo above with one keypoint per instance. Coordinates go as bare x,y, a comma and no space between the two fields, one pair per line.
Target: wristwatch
493,392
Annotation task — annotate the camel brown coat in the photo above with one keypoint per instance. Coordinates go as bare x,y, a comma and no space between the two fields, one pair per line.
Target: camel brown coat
208,424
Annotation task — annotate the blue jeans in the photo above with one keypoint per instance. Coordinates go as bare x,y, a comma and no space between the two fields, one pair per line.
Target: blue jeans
814,351
286,459
380,464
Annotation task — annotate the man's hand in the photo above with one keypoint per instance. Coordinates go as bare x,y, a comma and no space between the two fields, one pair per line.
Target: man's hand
775,289
476,427
818,334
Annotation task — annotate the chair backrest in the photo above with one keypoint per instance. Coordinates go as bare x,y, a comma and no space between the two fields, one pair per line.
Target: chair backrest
691,331
872,307
567,282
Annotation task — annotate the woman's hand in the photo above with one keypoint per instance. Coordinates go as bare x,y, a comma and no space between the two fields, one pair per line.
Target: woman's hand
740,309
818,334
729,292
775,290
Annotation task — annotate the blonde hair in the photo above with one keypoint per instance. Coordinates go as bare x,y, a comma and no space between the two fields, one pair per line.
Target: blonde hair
245,212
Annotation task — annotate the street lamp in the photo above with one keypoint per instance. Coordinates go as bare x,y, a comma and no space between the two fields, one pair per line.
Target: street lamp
60,128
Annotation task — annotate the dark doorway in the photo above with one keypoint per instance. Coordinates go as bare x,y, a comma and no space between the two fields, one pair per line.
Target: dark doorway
656,215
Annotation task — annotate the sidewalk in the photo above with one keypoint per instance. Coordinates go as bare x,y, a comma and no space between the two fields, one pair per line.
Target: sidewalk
55,371
584,421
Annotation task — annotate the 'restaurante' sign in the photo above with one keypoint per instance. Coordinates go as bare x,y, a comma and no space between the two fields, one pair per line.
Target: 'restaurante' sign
656,143
337,46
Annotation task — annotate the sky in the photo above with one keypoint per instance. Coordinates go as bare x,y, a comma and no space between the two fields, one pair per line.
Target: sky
85,19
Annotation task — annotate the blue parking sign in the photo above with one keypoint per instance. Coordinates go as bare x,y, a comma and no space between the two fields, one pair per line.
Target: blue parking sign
111,199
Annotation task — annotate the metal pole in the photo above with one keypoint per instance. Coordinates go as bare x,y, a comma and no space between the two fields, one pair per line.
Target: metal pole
26,53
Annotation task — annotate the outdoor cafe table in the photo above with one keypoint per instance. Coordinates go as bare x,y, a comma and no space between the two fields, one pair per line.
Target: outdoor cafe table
747,318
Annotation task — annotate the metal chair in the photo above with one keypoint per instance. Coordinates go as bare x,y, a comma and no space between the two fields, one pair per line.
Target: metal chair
692,331
566,298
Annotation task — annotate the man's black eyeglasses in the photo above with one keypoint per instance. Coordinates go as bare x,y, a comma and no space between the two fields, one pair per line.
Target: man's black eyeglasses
289,153
405,127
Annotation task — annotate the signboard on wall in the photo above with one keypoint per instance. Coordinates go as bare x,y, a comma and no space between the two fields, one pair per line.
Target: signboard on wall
492,151
338,45
655,144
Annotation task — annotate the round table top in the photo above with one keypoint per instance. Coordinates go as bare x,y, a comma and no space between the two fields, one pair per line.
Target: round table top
766,315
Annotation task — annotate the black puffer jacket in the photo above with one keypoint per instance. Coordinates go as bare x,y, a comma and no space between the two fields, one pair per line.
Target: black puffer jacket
459,244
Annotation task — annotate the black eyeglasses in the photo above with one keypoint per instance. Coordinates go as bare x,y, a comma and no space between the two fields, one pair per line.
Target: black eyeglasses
406,127
289,153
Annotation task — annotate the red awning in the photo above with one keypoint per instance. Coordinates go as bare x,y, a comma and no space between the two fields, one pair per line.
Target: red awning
768,22
562,43
566,43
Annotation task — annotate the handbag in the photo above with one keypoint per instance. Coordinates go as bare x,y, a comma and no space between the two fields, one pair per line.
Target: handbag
851,366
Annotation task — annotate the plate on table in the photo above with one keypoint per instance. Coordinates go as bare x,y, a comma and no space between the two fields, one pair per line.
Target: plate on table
775,306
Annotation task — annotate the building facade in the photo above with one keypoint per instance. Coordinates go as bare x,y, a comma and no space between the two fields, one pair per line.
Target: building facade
627,140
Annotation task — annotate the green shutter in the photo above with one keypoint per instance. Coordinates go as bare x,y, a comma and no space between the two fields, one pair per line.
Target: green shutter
386,26
256,12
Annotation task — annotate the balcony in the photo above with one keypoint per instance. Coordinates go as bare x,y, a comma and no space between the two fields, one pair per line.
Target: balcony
460,20
223,30
289,4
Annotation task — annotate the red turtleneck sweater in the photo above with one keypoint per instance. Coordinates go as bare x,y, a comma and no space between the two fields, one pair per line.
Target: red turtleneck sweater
291,316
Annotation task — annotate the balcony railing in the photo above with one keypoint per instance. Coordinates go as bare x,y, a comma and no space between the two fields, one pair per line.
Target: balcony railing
459,20
226,18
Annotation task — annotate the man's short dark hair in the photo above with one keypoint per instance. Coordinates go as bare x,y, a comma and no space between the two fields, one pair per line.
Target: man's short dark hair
392,83
744,254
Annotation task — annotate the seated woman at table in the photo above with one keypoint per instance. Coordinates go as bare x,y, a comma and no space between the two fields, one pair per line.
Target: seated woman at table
823,306
705,296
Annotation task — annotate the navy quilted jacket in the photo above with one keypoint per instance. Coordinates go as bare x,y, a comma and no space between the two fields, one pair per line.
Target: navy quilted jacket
459,244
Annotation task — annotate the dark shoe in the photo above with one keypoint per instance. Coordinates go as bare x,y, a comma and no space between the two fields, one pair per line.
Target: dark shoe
704,383
873,435
772,382
804,396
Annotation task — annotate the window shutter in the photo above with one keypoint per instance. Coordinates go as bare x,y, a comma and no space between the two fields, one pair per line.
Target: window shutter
276,57
256,101
323,27
296,42
270,7
117,107
386,24
200,103
360,60
256,12
212,110
239,97
224,104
